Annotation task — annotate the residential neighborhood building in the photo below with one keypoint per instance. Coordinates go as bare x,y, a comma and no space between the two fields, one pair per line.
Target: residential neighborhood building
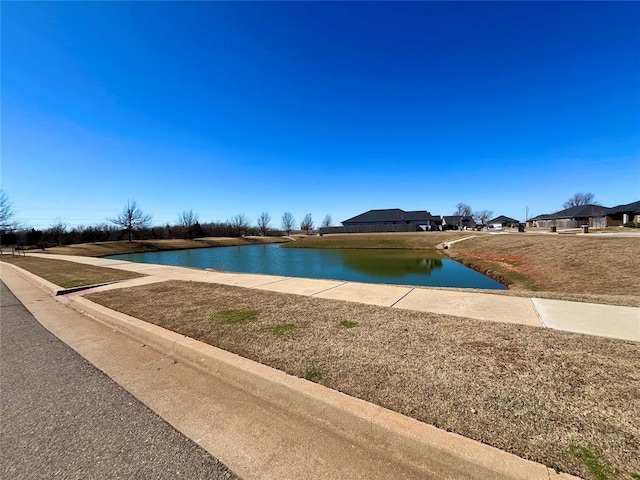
458,222
573,217
501,222
398,220
420,220
621,214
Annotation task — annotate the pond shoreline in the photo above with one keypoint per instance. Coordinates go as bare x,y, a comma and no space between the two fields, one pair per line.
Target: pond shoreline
426,268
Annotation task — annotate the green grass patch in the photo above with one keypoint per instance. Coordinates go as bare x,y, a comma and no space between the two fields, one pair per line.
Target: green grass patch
598,466
313,372
348,324
233,317
281,329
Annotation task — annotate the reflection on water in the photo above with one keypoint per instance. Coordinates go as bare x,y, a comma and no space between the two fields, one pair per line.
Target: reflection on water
391,263
401,267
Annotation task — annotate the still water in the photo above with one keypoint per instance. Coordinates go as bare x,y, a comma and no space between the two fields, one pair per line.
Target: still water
400,267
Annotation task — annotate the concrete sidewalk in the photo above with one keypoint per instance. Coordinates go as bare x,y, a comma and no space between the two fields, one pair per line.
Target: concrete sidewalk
260,422
591,319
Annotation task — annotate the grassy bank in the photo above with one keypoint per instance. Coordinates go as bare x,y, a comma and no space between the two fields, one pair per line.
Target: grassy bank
563,264
566,400
101,249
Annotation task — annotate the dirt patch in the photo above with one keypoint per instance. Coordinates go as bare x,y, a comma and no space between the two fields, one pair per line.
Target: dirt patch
69,274
566,400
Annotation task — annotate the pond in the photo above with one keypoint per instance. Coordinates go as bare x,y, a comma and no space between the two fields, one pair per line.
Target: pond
400,267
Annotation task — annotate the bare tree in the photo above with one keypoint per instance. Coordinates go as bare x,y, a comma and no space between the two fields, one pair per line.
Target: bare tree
263,223
327,221
580,199
188,221
240,223
463,210
131,218
57,231
307,223
482,216
6,211
287,222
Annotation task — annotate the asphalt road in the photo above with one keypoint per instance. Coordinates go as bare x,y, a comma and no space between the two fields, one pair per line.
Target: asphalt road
62,418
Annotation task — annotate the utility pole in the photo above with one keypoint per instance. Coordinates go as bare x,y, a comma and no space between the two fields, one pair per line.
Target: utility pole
526,215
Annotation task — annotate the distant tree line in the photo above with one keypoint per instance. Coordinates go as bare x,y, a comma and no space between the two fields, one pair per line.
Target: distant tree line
132,223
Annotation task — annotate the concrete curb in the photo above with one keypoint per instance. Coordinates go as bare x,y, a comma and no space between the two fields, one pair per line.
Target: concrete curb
422,446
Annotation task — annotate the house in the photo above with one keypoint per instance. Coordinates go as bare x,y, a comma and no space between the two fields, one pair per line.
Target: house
573,217
501,222
419,220
458,222
621,214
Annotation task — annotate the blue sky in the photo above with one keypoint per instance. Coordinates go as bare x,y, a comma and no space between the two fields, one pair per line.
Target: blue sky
322,108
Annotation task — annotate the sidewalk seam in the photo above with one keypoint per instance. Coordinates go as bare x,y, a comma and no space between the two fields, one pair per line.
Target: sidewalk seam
271,282
327,289
401,298
533,304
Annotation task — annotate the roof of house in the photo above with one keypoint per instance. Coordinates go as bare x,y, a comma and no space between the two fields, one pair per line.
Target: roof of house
581,211
626,208
456,219
584,211
391,215
502,219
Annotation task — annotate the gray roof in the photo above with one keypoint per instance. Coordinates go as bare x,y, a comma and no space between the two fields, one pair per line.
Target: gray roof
586,211
626,208
581,211
391,215
502,219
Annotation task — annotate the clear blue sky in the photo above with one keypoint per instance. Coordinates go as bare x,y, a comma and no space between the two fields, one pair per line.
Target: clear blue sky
322,108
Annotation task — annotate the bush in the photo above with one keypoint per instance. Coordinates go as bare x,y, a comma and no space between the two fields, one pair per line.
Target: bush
632,225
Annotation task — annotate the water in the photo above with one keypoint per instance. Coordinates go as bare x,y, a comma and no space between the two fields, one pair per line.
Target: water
400,267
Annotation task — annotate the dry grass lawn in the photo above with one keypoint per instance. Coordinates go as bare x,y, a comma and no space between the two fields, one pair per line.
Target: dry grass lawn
563,263
69,274
569,401
101,249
